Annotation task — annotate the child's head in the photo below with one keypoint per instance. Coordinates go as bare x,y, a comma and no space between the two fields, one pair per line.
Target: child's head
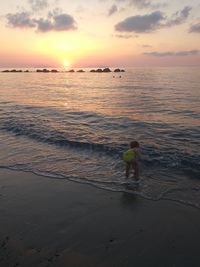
134,144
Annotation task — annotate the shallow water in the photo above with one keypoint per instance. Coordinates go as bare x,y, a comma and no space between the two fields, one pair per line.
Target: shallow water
76,126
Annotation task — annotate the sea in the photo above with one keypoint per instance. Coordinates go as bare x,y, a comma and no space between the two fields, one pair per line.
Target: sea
76,126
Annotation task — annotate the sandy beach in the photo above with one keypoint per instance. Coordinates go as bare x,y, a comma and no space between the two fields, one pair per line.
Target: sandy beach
48,222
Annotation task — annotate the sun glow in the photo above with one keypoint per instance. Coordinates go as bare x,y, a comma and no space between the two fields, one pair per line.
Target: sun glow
66,63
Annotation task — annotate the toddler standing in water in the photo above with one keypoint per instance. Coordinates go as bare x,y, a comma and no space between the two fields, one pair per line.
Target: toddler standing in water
131,157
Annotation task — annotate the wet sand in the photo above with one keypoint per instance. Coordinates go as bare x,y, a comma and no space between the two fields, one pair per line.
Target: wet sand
52,222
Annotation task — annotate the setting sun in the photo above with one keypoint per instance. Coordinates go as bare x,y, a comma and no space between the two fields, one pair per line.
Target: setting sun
66,63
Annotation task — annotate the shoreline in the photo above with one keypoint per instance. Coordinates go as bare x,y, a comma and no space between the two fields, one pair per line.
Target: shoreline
55,222
93,185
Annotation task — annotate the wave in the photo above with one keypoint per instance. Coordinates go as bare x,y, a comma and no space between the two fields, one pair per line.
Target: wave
153,157
54,137
163,145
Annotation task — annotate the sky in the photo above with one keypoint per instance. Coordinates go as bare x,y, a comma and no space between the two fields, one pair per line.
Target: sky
99,33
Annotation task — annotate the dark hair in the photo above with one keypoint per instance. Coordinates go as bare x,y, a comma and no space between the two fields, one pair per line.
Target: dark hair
134,144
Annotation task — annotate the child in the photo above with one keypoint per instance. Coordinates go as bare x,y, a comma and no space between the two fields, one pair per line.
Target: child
131,157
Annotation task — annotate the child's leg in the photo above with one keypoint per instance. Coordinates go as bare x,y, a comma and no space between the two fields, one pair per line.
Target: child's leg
128,165
135,166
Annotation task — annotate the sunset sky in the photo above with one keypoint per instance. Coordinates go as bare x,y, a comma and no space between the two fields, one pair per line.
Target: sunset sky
98,33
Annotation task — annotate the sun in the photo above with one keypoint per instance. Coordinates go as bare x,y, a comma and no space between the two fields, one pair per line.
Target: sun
66,63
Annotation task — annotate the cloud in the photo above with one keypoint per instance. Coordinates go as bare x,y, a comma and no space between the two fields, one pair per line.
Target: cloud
138,24
44,25
179,17
38,5
141,4
20,20
146,46
112,10
61,22
122,36
64,22
55,20
169,54
153,21
195,28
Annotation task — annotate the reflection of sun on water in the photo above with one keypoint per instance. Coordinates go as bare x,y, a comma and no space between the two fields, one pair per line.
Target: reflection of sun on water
66,63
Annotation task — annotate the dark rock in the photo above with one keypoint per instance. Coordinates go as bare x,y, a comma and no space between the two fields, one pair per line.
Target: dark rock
99,70
54,71
71,71
106,70
80,71
117,70
45,70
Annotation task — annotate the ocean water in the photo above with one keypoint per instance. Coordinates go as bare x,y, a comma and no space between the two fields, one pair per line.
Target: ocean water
75,126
